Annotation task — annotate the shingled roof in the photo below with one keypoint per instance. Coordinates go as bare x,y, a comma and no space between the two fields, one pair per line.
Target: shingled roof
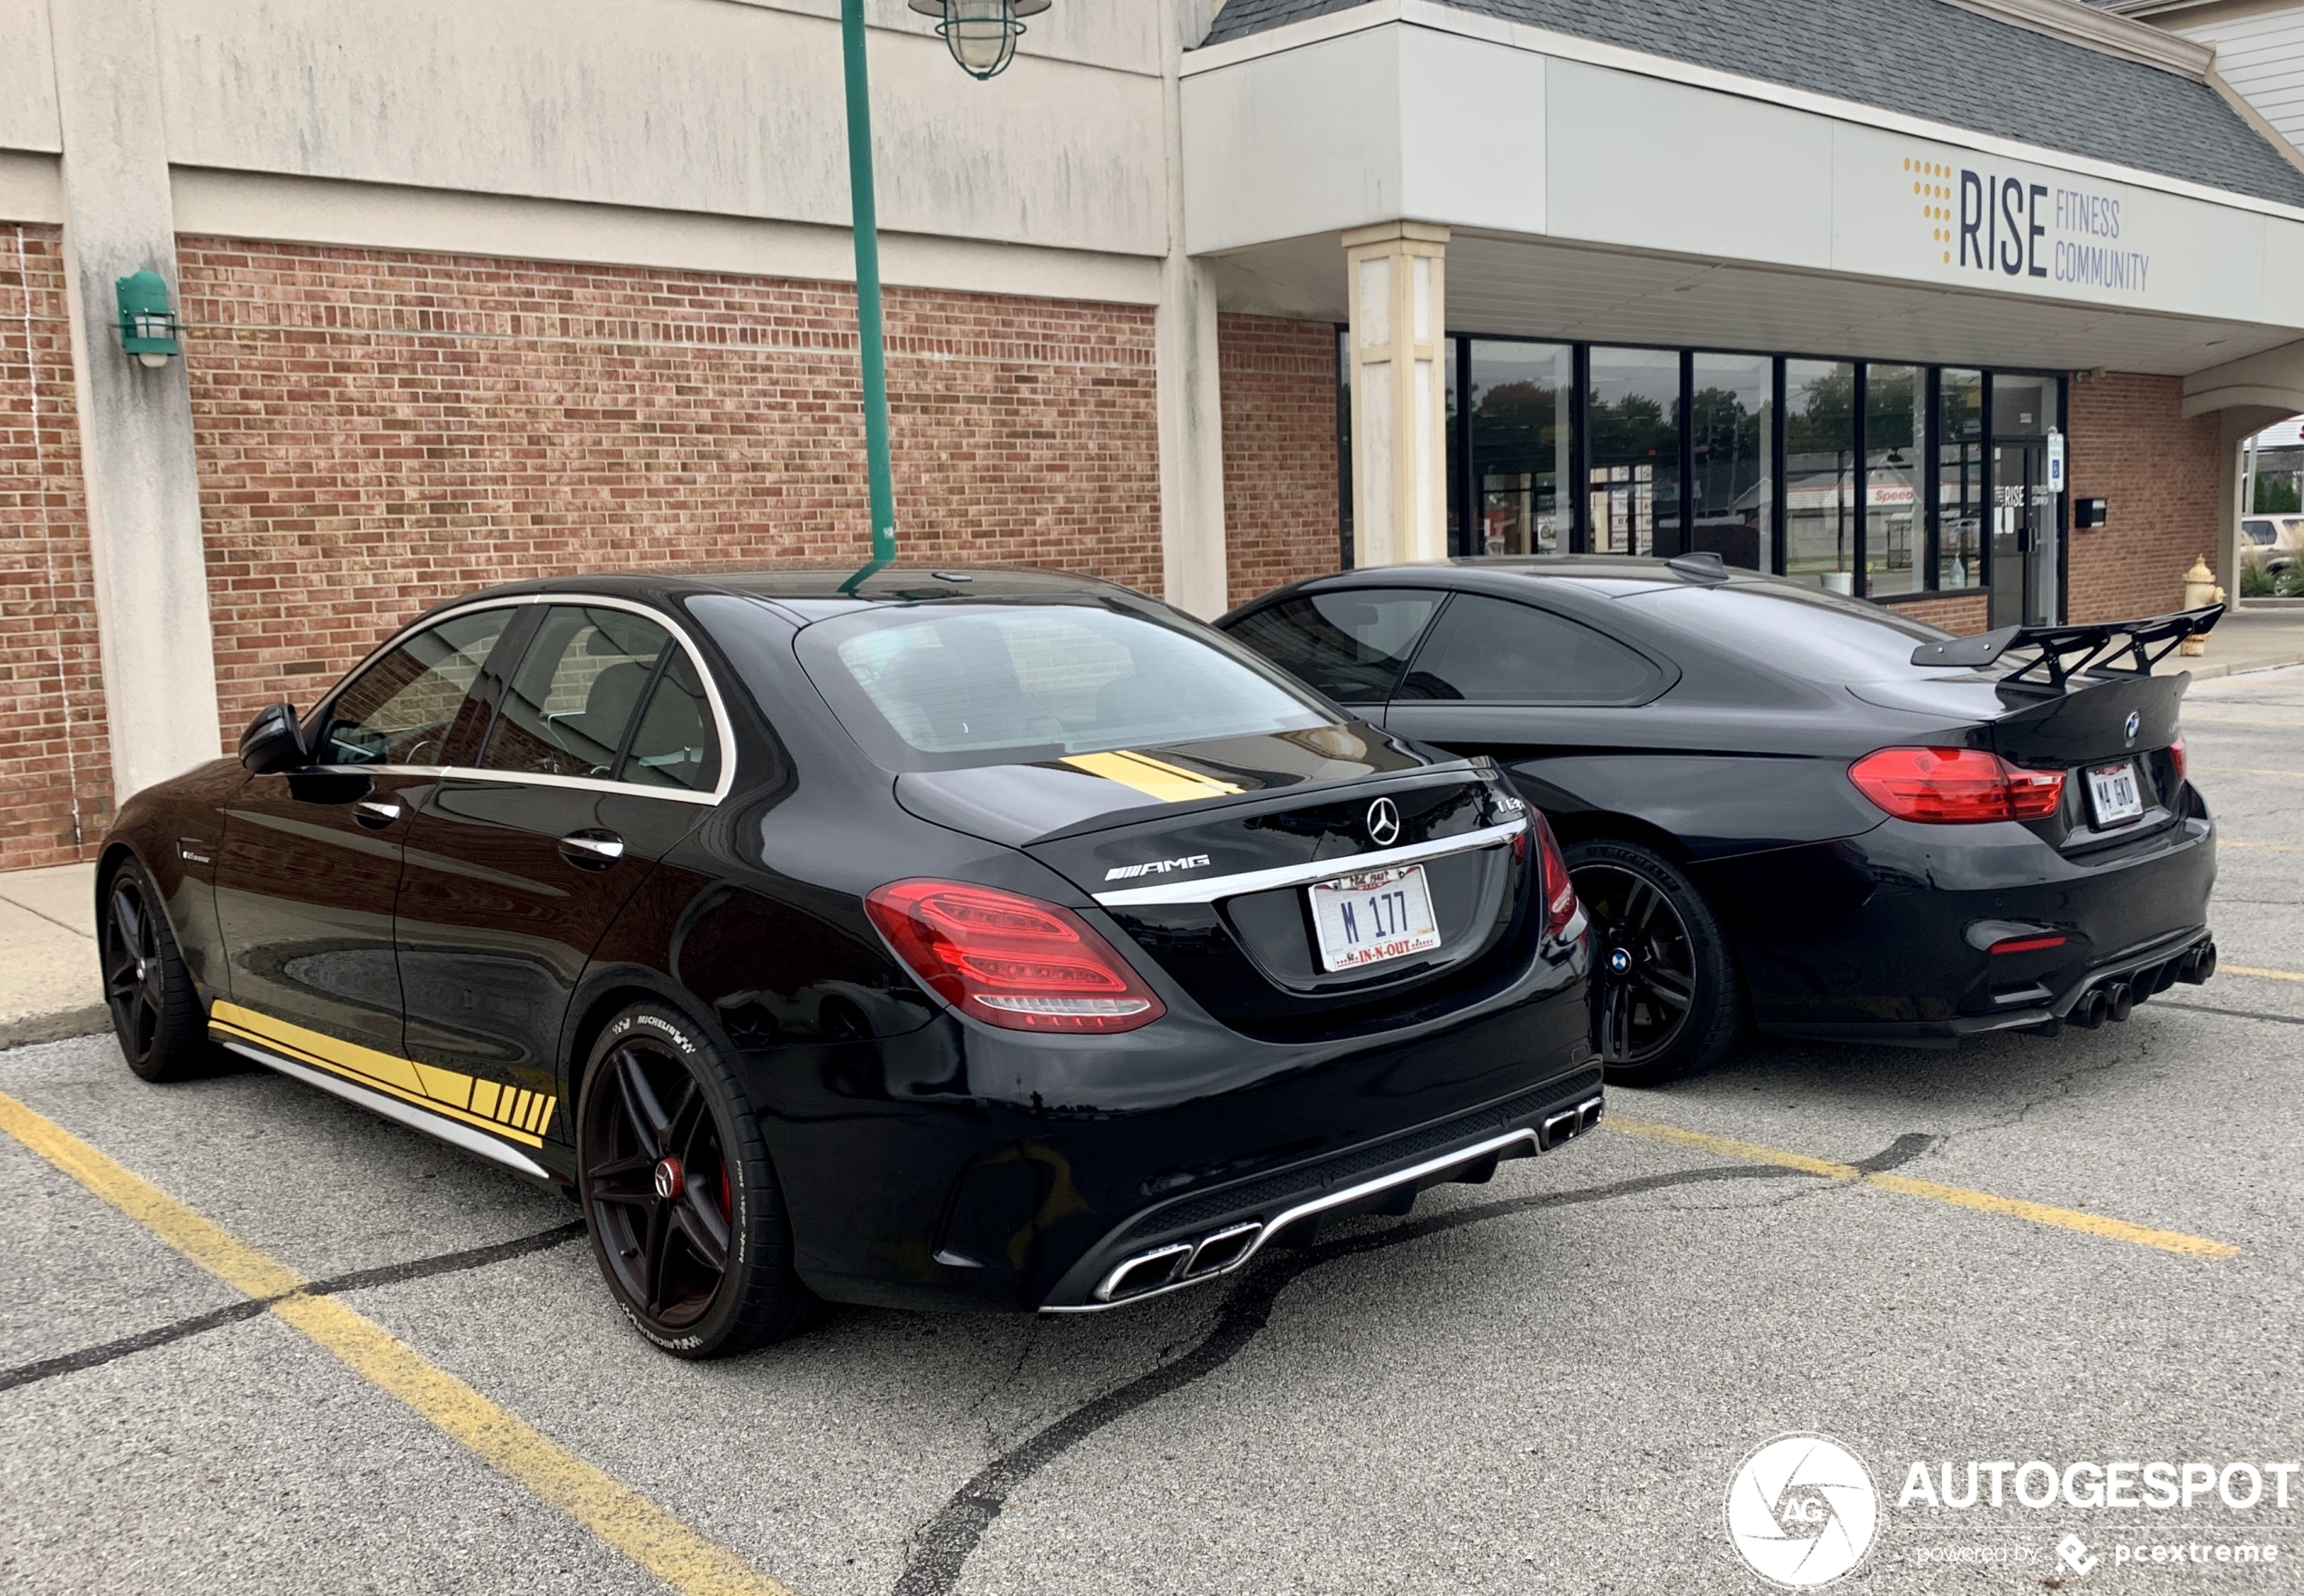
1923,58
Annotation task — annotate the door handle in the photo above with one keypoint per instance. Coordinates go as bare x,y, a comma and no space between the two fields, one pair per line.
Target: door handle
591,850
376,813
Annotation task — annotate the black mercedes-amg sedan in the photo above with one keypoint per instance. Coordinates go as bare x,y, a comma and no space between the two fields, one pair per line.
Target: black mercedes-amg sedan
1788,808
990,939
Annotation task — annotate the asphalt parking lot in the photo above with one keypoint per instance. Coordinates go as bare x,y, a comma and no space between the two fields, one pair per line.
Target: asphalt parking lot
2079,1250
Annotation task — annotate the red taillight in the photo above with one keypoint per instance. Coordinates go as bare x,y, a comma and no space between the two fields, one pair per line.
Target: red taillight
1955,787
2176,757
1560,892
1010,961
2027,944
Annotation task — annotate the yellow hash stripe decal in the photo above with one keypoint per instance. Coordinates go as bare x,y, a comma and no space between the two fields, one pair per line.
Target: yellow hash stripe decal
625,1520
1170,784
2039,1213
443,1092
2261,974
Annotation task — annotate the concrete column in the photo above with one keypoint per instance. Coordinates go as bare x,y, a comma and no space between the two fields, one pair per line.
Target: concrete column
1194,569
135,422
1399,408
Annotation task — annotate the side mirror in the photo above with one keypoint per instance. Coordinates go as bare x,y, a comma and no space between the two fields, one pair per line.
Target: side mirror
274,741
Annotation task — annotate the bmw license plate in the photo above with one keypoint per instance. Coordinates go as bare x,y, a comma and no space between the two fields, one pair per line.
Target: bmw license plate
2113,793
1374,916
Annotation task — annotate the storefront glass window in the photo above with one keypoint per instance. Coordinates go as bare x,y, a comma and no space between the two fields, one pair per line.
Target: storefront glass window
1455,450
1819,473
1634,417
1894,434
1959,479
1520,446
1731,433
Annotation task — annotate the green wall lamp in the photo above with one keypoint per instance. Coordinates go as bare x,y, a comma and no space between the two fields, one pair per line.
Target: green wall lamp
980,34
148,327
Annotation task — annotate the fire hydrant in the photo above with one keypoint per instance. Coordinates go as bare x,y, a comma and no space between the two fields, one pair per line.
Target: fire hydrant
2200,591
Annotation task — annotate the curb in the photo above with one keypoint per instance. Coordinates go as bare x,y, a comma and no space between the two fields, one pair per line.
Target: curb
93,1020
2209,673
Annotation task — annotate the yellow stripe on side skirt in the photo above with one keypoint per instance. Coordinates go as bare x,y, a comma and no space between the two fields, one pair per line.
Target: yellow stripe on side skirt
443,1092
637,1527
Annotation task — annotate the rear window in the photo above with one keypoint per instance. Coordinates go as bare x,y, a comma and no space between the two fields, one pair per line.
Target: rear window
948,685
1800,629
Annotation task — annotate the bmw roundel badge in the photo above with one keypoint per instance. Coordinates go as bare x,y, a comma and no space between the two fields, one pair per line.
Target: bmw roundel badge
1383,823
2135,724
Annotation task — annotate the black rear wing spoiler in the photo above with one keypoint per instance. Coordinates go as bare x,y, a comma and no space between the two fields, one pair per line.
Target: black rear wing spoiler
2128,648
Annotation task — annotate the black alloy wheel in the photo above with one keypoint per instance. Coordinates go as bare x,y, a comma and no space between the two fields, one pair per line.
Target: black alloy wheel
154,1011
687,1221
1665,994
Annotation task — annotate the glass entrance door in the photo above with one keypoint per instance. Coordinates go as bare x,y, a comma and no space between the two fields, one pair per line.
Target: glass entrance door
2023,535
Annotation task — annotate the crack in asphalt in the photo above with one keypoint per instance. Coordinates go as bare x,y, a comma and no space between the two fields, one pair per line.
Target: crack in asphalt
941,1548
388,1274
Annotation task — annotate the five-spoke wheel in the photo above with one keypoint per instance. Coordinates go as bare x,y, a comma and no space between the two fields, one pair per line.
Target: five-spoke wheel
686,1217
1664,987
147,989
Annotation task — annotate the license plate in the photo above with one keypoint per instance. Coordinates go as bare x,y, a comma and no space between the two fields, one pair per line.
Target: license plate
2112,790
1374,916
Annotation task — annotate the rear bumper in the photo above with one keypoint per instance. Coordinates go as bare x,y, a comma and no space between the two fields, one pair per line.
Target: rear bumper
1902,954
955,1168
1173,1245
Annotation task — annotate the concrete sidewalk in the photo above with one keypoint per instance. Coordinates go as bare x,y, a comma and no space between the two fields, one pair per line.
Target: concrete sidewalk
50,986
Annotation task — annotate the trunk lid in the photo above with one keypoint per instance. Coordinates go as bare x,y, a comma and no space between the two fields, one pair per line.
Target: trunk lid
1203,853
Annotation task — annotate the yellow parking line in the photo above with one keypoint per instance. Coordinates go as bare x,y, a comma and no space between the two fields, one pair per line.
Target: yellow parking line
2267,847
2261,974
2039,1213
625,1520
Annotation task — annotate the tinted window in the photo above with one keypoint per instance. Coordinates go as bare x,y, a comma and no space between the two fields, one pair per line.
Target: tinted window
1493,651
567,706
1799,630
674,744
398,711
2260,531
1351,645
952,684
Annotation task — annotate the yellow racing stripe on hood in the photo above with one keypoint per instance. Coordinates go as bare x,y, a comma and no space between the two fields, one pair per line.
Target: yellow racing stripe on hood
1170,784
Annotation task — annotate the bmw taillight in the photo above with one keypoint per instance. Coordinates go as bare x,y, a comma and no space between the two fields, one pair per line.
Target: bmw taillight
1560,892
1955,787
2176,758
1010,961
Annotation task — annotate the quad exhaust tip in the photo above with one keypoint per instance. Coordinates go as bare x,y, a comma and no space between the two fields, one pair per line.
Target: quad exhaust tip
2115,1000
1177,1263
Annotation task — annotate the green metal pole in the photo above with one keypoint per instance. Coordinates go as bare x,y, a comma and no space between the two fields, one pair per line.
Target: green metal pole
870,341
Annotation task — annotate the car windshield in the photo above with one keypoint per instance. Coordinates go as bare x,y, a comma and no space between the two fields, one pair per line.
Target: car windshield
951,684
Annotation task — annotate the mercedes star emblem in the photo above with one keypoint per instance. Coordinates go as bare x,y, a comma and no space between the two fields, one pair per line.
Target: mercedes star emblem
1383,823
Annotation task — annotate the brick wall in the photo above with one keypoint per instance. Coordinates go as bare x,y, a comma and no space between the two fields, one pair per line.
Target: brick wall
1965,614
379,430
55,765
1279,471
2132,446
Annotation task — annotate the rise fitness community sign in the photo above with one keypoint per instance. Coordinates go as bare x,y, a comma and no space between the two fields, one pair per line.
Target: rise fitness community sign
2024,229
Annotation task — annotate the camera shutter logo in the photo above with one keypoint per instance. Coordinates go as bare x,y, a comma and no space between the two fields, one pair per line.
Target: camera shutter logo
1383,823
1802,1510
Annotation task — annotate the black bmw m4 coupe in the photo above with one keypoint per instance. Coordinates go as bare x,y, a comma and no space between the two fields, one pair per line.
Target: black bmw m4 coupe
988,939
1785,807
